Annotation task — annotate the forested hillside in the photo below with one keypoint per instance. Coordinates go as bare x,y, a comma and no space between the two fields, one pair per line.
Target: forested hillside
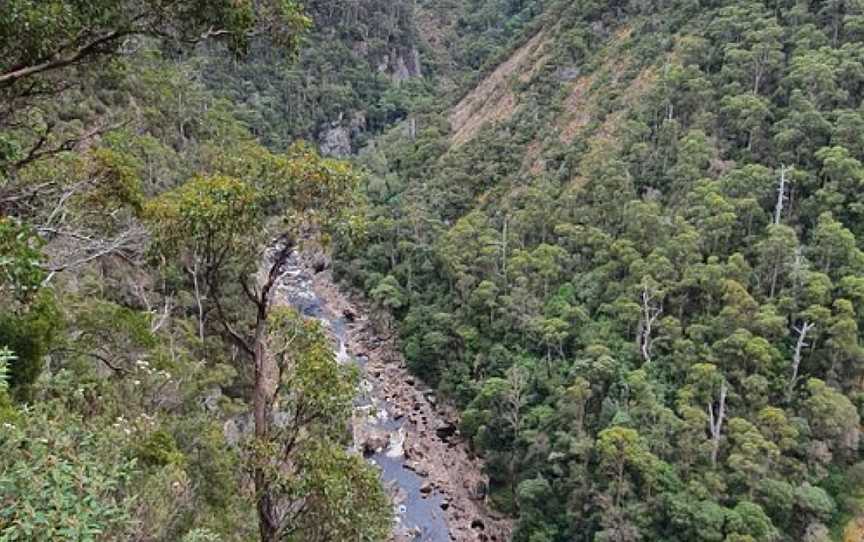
630,247
153,385
624,238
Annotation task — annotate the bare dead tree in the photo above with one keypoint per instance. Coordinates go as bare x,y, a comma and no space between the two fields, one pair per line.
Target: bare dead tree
800,345
651,310
514,401
781,197
81,249
158,317
715,422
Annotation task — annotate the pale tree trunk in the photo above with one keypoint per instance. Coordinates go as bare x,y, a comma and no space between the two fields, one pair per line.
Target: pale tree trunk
650,313
716,423
196,284
775,274
517,381
778,217
800,345
781,197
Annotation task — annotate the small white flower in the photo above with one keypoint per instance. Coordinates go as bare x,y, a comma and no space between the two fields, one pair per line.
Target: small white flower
136,382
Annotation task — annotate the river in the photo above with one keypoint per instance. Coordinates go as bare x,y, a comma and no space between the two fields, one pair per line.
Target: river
417,514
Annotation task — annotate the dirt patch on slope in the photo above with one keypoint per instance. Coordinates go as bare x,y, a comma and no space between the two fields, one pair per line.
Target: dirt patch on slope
583,100
639,86
493,99
581,104
577,115
854,531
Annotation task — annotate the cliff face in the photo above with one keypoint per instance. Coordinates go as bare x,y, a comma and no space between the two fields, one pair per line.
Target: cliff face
343,87
370,64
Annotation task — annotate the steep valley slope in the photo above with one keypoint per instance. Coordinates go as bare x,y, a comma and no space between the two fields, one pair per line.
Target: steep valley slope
603,246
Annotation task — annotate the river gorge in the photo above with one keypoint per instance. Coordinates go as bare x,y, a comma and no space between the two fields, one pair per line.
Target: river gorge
436,484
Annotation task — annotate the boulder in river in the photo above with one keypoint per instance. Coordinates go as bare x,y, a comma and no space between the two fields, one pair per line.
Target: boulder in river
416,468
373,440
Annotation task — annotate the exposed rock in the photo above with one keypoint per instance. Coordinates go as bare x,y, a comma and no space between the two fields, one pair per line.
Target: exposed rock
446,431
211,398
417,468
405,534
478,491
335,141
240,427
372,440
449,469
320,265
384,65
400,71
415,66
232,432
360,48
398,495
402,65
600,30
568,73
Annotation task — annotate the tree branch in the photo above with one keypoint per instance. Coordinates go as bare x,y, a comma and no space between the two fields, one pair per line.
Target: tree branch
61,61
93,355
223,318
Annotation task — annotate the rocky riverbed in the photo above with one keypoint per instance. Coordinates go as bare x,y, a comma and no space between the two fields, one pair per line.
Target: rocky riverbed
438,486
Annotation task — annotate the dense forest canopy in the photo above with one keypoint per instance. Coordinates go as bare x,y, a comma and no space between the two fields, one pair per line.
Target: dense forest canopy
631,250
625,238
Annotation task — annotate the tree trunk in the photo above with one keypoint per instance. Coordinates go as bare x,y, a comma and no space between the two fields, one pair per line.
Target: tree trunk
781,196
264,395
796,357
775,273
268,524
717,424
198,300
